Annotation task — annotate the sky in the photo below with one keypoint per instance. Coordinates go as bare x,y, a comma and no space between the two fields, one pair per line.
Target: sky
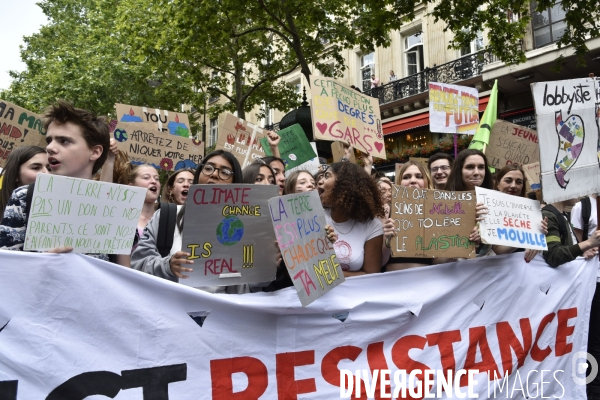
30,19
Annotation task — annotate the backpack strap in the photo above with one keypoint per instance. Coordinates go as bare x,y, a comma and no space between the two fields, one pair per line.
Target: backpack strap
562,224
28,201
586,211
166,228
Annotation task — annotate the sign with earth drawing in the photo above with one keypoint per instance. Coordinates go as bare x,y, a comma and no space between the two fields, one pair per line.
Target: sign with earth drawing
175,123
229,235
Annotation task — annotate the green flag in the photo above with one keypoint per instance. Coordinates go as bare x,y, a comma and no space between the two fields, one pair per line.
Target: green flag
482,136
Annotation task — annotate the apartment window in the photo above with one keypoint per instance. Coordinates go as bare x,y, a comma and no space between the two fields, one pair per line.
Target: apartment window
473,47
214,74
268,115
413,50
214,131
548,25
367,68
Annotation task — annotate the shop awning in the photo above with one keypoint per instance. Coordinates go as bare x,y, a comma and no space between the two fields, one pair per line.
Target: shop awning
418,120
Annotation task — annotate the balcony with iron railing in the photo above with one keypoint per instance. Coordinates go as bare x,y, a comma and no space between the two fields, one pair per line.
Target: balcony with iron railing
461,69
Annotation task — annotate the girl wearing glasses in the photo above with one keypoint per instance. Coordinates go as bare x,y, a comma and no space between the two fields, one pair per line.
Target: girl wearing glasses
219,167
352,206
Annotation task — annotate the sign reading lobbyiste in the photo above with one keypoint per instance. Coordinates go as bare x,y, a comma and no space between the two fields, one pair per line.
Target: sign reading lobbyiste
453,108
568,135
242,139
229,235
18,127
340,113
90,216
512,221
432,223
299,223
144,143
512,144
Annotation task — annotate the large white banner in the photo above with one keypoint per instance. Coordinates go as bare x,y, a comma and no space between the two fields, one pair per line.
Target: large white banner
72,327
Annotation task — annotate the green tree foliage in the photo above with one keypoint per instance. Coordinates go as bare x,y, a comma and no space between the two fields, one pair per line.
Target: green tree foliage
79,56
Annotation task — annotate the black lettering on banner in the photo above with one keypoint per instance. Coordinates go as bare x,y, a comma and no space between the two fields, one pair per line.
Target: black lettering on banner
8,390
88,384
154,381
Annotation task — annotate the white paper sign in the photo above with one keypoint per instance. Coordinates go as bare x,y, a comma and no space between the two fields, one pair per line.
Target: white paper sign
90,216
74,327
311,165
568,138
513,221
453,108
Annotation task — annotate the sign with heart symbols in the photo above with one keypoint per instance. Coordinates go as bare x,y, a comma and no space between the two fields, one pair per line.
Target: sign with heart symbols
343,114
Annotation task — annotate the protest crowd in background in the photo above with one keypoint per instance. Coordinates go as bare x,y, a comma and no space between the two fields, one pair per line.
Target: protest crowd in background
364,210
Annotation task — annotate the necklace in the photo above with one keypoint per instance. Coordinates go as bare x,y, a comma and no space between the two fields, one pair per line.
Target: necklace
338,229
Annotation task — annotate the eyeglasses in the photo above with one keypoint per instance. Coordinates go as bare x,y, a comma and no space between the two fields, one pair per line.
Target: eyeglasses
441,168
224,172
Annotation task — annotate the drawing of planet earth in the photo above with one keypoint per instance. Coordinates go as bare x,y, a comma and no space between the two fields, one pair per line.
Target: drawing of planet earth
230,231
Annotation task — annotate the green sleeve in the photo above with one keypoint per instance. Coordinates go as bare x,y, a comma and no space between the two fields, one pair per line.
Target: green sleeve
557,253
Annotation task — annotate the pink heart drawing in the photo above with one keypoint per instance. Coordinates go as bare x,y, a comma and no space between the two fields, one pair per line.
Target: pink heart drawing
322,127
379,146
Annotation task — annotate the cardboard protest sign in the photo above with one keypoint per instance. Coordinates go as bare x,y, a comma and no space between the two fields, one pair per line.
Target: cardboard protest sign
90,216
532,174
512,144
340,113
432,223
299,223
175,123
337,152
18,127
311,165
397,169
294,146
229,235
242,139
453,108
568,134
144,143
513,221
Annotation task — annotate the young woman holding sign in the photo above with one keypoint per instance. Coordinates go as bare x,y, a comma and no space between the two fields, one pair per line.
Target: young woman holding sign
219,167
353,206
299,182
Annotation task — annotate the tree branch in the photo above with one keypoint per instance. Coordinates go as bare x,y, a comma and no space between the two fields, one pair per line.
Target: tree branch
272,15
269,78
278,33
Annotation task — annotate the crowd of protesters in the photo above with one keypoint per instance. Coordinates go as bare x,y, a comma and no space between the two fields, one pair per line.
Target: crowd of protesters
357,201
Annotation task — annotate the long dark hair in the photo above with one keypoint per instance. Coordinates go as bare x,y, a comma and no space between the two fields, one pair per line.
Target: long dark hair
252,170
237,176
10,174
171,182
505,170
455,180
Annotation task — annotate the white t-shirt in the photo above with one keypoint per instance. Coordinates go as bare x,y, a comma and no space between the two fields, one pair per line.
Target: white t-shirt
352,236
577,222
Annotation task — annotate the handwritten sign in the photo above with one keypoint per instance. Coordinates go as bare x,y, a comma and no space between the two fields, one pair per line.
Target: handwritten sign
512,144
566,120
229,235
453,108
532,174
90,216
144,143
175,123
294,146
299,223
18,127
432,223
340,113
311,165
511,220
242,139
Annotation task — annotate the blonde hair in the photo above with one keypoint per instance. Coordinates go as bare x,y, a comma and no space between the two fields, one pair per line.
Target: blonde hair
421,169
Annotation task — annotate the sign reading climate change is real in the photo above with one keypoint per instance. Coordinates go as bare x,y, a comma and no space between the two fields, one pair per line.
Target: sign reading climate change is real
432,223
513,221
340,113
453,108
299,223
568,136
90,216
229,235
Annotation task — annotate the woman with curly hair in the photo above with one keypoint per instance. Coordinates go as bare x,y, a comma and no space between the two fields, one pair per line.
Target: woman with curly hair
353,206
